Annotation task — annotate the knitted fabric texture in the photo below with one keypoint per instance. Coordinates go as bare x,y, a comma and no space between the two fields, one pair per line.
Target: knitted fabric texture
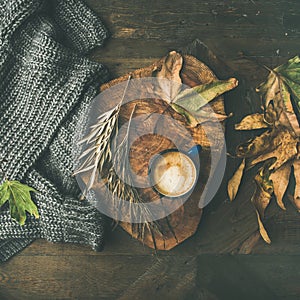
46,86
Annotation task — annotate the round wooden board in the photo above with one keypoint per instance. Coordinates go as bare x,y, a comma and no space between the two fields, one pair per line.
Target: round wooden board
183,222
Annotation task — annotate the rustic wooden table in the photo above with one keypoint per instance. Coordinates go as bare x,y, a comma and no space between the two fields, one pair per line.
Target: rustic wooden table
212,264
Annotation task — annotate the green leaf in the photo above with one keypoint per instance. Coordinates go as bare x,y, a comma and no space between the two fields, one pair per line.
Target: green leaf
282,89
188,116
289,73
195,98
19,199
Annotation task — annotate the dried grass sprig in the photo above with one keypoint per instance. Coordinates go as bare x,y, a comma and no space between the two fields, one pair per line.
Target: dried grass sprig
98,140
121,185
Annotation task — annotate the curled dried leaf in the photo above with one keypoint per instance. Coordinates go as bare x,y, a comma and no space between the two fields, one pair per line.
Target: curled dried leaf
261,199
262,229
263,191
280,179
285,145
258,145
255,121
235,181
272,114
296,199
269,89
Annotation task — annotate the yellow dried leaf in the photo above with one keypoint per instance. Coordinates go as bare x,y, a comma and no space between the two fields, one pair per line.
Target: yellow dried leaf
235,181
269,89
280,179
296,199
285,149
266,142
290,119
261,199
272,114
262,229
263,192
255,121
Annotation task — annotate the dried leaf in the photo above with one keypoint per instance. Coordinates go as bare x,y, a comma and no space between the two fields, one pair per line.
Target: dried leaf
204,116
191,120
263,192
259,145
255,121
261,199
19,199
235,181
282,88
289,74
280,179
278,146
269,89
262,229
171,70
195,98
285,149
296,198
194,119
272,114
286,97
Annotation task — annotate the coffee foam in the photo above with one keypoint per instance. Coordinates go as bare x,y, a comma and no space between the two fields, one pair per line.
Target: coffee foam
174,173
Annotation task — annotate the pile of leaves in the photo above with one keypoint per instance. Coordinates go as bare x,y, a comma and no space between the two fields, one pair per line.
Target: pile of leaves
276,151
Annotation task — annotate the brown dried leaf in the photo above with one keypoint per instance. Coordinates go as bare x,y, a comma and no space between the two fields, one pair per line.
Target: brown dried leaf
266,142
261,199
290,119
203,117
272,114
235,181
263,192
255,121
280,179
171,70
296,198
285,149
269,89
262,229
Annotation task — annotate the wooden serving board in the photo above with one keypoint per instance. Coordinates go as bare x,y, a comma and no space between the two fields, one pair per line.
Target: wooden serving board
183,222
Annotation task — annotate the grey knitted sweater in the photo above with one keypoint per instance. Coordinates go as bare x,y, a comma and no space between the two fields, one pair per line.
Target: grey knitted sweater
46,86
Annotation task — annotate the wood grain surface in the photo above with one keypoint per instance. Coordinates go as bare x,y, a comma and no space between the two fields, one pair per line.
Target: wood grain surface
211,264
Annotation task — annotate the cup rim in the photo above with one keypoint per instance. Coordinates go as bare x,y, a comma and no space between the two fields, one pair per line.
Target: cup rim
151,179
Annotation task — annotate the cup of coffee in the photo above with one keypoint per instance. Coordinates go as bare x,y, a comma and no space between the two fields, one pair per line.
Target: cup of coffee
174,173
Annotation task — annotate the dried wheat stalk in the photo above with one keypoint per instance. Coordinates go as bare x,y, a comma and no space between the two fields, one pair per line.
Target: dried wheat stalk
122,187
98,150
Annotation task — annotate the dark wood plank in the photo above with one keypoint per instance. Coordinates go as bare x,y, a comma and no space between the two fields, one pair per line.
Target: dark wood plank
165,21
61,277
132,277
249,277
